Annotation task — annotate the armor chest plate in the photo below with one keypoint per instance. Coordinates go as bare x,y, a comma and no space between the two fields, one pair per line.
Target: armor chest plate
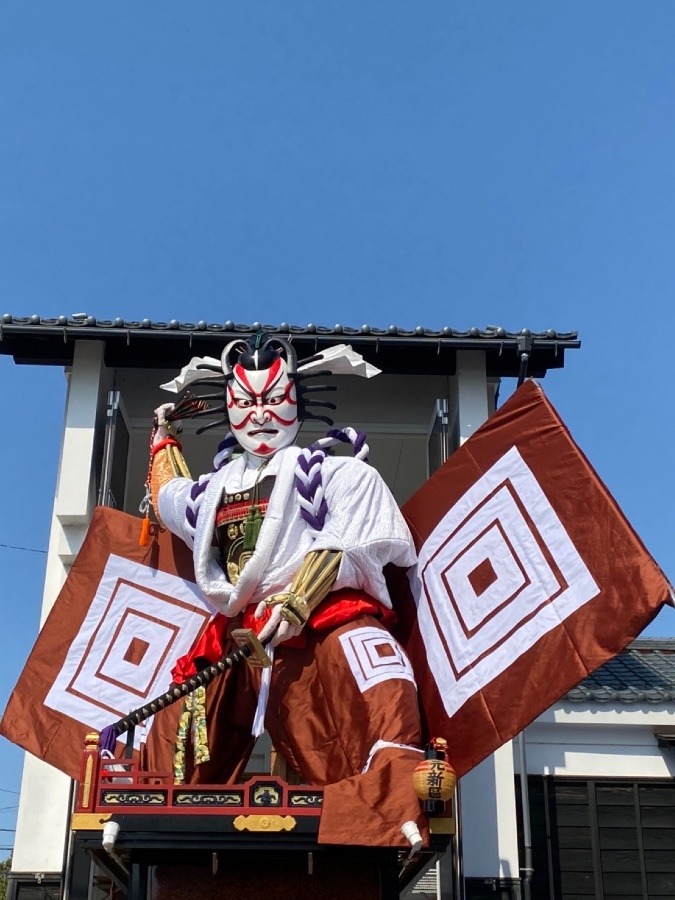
238,522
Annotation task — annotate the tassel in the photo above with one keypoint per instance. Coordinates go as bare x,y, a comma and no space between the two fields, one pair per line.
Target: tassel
191,722
144,539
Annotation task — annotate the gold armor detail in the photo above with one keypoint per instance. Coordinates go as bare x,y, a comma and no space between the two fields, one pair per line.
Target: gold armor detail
167,463
312,584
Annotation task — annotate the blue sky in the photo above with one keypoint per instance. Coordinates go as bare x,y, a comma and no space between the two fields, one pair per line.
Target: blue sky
438,163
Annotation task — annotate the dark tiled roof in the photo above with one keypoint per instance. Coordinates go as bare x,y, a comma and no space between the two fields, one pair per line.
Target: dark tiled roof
643,673
50,341
82,320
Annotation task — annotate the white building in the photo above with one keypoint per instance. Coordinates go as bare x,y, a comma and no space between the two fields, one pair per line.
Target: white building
601,767
437,387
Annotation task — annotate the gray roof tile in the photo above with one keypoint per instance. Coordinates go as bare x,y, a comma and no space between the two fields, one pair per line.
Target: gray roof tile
643,673
82,320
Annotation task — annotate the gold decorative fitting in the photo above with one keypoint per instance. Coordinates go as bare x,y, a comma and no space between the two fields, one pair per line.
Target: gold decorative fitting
86,784
89,821
442,825
265,823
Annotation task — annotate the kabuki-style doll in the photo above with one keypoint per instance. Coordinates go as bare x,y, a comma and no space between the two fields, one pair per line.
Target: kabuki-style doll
292,543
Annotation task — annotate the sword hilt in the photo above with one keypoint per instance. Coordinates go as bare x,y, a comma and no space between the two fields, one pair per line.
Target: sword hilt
249,648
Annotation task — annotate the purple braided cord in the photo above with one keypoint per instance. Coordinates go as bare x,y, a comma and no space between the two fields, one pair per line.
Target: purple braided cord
197,490
225,448
339,435
307,488
308,481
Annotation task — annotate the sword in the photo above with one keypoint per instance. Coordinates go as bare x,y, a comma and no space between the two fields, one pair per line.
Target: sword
248,648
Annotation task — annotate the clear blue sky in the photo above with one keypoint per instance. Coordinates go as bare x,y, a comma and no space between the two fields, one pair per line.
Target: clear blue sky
461,163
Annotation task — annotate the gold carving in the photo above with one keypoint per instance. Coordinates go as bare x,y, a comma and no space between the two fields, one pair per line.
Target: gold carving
86,785
311,585
264,823
202,798
89,821
133,798
232,573
306,799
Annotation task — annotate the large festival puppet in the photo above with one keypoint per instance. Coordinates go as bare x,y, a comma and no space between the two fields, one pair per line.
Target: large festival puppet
512,571
292,543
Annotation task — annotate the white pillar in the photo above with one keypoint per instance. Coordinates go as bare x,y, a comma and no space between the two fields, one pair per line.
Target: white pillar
488,802
489,833
472,392
42,820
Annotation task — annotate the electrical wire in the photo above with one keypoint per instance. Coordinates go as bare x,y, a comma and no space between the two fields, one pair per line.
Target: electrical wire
25,549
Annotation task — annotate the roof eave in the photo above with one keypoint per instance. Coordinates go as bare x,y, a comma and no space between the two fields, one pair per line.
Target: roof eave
165,345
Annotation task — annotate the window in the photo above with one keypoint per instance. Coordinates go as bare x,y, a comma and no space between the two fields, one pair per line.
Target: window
34,889
611,840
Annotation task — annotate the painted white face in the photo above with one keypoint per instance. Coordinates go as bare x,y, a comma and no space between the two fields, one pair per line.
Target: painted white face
263,409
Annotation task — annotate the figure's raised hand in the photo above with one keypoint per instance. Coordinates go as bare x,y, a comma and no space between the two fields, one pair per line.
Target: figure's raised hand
164,428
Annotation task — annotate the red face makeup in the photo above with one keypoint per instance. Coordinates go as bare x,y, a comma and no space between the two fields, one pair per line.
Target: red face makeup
263,408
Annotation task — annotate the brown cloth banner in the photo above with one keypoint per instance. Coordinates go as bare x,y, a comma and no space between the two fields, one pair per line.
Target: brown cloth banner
529,578
123,616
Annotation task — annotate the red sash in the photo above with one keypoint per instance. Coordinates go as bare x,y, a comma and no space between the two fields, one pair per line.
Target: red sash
338,608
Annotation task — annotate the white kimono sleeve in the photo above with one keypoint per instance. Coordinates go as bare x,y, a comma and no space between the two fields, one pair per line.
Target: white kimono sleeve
173,501
363,521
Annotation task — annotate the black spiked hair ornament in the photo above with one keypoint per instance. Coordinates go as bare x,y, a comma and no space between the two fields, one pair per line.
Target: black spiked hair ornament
257,353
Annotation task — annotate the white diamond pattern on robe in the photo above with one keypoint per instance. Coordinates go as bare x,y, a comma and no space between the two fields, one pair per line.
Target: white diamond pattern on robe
139,623
374,656
502,572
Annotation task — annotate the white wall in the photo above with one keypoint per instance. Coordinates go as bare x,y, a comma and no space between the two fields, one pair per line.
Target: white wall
488,802
43,814
600,742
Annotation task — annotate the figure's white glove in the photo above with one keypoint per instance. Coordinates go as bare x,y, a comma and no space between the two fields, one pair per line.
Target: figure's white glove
276,627
163,430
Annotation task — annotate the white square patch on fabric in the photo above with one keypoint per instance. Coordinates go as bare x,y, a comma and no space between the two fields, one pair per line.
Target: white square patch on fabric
497,573
140,622
374,656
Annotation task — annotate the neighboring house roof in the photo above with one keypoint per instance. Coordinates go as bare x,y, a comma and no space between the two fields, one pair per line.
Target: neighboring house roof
50,341
643,673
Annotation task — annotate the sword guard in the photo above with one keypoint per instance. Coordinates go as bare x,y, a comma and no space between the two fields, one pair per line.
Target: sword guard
246,637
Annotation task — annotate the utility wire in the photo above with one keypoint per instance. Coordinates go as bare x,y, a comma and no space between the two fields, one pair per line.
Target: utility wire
25,549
